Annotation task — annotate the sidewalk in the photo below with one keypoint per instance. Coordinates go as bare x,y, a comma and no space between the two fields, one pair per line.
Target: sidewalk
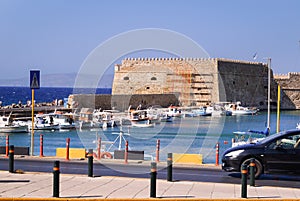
39,185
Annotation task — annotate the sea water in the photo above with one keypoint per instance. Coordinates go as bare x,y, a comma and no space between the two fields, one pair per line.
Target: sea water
197,135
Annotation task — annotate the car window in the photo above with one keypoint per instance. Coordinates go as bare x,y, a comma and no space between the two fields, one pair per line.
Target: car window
287,142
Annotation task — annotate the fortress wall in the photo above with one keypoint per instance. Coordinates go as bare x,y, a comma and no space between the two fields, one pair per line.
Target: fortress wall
169,75
204,81
244,81
290,86
122,102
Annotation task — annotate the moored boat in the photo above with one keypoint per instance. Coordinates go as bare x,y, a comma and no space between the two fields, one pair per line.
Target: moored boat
238,109
173,111
7,125
44,122
166,118
142,124
249,137
64,120
204,111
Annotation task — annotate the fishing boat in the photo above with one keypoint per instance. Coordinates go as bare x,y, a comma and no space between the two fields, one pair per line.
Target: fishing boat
203,111
142,124
104,119
44,122
7,125
238,109
249,137
219,110
173,111
166,118
140,118
64,120
85,120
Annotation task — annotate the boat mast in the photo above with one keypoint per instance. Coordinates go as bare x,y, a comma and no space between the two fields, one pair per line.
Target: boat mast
269,92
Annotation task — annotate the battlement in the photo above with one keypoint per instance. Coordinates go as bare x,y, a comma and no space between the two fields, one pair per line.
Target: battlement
168,59
286,76
191,59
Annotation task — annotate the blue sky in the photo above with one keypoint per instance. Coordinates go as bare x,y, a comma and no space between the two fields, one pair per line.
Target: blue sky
56,36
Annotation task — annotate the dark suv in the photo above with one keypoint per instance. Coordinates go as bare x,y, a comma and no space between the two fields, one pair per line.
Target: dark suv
276,153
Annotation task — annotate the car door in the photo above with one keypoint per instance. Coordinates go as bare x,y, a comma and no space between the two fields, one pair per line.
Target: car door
283,154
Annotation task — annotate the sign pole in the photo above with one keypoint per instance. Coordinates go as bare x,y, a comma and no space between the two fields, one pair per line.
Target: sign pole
32,123
34,84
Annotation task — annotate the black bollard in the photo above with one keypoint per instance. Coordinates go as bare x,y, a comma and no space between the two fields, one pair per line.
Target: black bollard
170,167
252,172
56,179
244,181
11,158
90,163
153,175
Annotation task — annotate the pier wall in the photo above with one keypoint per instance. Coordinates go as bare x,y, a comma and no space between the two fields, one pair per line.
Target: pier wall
121,102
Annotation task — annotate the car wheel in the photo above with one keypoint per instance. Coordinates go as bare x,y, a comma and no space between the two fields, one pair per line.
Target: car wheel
258,167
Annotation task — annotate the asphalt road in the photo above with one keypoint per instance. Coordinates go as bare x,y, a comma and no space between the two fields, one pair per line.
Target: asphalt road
142,170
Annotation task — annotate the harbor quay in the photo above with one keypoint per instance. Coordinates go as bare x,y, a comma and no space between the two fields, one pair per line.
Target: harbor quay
27,185
27,111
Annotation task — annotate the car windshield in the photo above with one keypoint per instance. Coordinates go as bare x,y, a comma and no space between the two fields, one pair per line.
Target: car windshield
273,136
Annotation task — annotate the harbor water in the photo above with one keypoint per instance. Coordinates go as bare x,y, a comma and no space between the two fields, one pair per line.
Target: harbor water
197,135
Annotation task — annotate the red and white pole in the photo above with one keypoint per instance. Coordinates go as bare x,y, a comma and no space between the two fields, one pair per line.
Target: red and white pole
7,146
41,145
217,153
157,150
126,152
67,149
99,149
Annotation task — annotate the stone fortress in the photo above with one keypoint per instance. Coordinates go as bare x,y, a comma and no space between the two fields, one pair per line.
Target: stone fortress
194,82
290,86
199,82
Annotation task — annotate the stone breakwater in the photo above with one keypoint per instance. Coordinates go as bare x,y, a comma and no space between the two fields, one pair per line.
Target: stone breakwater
20,112
28,104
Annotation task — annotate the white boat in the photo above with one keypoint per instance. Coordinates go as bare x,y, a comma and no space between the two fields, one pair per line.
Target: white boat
104,119
238,109
249,137
142,124
203,111
44,122
7,125
173,111
65,120
298,126
140,118
166,118
85,120
219,110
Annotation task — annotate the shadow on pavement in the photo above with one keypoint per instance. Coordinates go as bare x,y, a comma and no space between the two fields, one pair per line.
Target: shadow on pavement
14,181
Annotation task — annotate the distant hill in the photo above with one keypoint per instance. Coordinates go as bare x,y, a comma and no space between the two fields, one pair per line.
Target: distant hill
58,80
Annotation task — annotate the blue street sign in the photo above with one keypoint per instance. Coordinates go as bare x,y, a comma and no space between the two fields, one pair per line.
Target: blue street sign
34,79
